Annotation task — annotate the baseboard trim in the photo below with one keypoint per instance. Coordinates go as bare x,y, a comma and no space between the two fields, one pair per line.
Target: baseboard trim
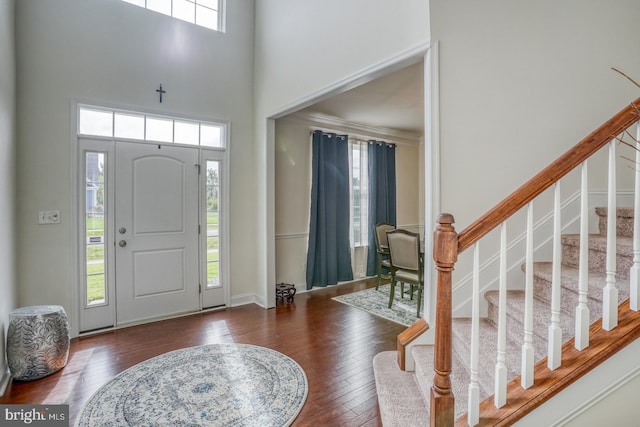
244,299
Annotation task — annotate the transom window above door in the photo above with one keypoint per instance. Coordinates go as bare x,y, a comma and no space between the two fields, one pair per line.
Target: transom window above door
112,123
205,13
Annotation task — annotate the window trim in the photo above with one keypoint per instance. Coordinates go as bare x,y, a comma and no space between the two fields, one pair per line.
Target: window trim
220,11
223,125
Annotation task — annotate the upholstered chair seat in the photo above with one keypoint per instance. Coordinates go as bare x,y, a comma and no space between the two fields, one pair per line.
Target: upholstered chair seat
382,251
406,263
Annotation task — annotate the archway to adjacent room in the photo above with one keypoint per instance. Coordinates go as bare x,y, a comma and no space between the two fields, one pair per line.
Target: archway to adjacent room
426,55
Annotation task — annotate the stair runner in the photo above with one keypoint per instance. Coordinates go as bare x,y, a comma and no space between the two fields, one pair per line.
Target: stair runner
403,397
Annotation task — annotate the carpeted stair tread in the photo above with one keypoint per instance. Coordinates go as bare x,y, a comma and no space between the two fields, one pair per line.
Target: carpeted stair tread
598,253
461,342
599,242
399,397
489,337
541,318
542,272
624,220
423,356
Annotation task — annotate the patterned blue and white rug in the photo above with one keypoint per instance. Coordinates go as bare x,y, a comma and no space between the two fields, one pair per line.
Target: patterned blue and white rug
209,385
402,311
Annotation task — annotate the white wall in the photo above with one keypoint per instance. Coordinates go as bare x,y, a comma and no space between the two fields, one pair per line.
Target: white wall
520,83
292,200
303,47
108,51
7,173
296,60
293,189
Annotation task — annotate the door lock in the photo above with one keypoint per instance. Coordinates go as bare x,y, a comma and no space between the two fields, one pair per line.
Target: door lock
122,230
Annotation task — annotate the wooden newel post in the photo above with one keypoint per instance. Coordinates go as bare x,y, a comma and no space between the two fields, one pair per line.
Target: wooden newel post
445,255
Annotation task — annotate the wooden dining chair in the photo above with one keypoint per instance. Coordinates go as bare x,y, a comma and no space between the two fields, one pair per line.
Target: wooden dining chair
382,250
406,262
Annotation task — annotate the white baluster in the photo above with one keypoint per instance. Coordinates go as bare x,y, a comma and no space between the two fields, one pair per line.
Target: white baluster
610,291
474,388
500,396
634,273
582,310
526,379
555,332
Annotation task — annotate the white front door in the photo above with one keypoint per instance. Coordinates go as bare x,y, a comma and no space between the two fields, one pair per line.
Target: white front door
156,231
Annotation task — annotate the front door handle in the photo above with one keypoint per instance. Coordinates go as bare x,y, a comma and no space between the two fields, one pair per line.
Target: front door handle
122,243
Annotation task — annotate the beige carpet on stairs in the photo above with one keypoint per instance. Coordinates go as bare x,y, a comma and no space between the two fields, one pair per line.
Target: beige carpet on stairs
400,398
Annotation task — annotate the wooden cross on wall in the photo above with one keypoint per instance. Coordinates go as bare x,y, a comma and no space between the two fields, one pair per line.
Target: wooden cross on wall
161,91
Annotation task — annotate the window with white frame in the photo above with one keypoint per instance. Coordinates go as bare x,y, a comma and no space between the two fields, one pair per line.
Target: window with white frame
205,13
97,121
95,228
359,191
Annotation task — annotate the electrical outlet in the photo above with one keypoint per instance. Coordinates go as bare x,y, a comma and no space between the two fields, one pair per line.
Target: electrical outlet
49,217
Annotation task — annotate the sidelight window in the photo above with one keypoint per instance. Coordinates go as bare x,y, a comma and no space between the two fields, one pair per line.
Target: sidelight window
95,205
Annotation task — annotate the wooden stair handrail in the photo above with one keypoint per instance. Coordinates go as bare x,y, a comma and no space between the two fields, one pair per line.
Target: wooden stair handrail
549,175
406,337
448,244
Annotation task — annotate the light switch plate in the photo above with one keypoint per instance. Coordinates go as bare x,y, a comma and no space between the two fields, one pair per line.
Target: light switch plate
49,217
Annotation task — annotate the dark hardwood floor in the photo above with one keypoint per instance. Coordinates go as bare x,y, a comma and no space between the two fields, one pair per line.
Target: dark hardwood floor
334,343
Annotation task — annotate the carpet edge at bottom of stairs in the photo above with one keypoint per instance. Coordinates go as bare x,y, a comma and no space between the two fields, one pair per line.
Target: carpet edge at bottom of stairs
399,397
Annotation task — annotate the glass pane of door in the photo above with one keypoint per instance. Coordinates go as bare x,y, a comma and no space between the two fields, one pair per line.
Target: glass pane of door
95,229
213,223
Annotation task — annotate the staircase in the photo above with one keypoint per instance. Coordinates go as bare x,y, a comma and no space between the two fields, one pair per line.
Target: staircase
404,396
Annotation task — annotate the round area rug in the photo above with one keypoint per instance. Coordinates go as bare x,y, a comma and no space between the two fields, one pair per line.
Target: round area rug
209,385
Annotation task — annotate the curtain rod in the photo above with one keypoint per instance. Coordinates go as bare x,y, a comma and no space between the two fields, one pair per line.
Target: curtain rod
352,137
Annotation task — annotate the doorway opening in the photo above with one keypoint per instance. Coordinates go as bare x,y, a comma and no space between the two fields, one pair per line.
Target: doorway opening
281,241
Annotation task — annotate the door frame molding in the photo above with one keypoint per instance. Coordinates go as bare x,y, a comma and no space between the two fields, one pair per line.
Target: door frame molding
75,269
426,52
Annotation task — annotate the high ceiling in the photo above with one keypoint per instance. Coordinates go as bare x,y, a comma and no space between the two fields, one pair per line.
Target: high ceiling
394,101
